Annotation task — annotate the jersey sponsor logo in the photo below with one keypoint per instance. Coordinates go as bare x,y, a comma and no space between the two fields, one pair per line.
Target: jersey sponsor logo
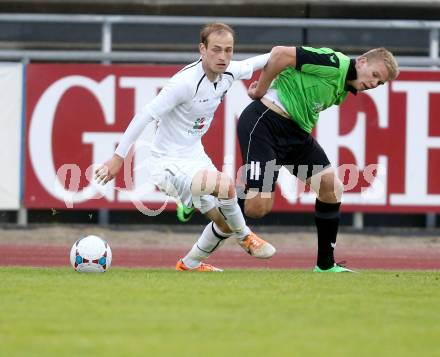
198,127
199,123
255,170
318,107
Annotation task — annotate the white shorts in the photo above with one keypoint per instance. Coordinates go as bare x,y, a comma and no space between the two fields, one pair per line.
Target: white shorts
173,175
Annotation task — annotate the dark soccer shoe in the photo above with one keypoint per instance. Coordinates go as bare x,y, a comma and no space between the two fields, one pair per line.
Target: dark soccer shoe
184,213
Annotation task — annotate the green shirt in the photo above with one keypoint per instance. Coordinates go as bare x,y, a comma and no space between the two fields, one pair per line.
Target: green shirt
316,83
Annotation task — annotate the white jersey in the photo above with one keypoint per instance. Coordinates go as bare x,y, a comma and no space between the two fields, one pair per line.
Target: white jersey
185,107
184,110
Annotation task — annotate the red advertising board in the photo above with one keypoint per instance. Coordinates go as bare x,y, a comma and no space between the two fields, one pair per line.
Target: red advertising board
385,142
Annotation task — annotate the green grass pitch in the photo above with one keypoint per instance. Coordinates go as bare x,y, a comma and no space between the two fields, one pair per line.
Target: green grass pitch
139,312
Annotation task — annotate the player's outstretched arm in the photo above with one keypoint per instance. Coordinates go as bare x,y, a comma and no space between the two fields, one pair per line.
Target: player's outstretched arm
111,167
174,93
280,58
257,62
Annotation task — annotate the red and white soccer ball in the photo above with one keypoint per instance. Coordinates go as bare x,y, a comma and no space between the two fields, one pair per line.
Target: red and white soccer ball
91,254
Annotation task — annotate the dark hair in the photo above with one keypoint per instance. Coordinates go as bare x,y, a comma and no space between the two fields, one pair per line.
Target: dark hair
215,27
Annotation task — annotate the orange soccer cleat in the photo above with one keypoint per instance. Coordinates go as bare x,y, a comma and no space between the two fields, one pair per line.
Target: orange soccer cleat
257,247
180,266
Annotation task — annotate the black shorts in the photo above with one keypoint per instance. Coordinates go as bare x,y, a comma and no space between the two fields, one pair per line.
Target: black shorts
269,141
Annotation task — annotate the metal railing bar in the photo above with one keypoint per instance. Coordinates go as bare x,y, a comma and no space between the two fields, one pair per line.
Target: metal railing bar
155,56
235,21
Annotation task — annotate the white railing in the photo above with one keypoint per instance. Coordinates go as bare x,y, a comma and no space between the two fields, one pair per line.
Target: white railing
106,54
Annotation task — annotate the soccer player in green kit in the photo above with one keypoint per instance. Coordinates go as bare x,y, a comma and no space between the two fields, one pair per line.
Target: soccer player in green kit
274,130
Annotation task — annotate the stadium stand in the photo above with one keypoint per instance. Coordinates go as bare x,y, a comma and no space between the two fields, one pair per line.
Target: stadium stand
149,37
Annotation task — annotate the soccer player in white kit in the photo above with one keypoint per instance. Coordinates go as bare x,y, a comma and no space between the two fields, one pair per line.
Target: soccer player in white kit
179,166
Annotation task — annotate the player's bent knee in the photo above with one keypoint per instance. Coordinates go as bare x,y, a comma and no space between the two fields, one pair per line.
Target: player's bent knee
331,190
213,183
225,187
255,211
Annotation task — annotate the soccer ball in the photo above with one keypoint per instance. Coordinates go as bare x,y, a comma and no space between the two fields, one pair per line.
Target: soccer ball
91,254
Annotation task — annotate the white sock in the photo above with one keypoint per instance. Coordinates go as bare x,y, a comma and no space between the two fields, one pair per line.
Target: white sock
208,242
234,217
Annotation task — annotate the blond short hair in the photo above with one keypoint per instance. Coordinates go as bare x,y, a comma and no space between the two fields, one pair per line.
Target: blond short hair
215,27
382,54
